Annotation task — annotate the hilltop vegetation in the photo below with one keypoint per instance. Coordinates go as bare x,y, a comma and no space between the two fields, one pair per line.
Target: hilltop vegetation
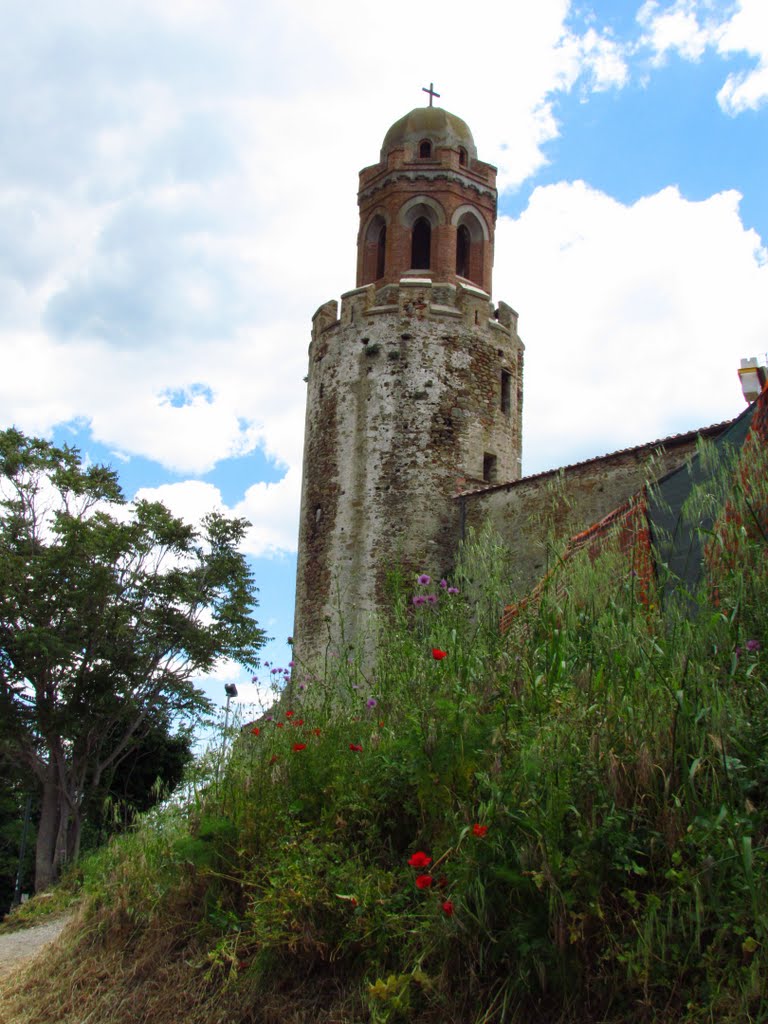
566,823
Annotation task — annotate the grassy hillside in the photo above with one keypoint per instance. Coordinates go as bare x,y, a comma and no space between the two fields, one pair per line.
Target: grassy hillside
568,823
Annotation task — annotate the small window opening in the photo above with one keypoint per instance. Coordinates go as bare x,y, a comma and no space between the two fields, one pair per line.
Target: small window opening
462,156
489,468
421,240
506,391
425,149
381,246
463,243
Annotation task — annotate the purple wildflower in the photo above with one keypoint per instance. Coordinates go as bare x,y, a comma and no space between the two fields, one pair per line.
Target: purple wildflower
302,686
371,702
443,583
753,645
291,664
453,590
431,598
424,580
254,679
419,599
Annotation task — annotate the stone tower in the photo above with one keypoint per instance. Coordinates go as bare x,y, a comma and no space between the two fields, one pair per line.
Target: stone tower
414,386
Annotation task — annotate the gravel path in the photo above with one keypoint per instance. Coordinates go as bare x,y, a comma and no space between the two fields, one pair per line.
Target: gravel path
17,947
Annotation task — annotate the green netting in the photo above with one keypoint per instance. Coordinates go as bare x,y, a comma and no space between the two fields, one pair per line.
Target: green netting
677,529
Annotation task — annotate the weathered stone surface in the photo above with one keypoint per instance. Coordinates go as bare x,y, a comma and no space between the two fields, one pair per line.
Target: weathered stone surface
530,512
403,409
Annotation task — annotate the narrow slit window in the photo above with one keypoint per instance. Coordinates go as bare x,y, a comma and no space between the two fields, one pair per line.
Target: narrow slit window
462,156
421,243
463,243
381,247
489,468
425,149
506,391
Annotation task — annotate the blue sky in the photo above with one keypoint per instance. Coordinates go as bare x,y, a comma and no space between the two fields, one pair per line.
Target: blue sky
178,196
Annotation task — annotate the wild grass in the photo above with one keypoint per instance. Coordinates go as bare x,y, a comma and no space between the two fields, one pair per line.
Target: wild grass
565,824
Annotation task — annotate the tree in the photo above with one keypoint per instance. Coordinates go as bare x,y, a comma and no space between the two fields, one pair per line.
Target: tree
108,614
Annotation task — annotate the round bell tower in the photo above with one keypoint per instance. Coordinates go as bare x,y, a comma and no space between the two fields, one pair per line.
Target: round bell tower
414,384
428,208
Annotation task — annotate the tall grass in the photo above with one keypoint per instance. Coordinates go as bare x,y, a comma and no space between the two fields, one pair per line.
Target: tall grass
565,824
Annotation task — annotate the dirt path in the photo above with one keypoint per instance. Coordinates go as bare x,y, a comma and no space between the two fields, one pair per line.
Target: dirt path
16,947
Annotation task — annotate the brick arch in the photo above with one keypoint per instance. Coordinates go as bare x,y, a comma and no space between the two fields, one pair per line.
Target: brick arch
421,206
420,215
472,239
375,247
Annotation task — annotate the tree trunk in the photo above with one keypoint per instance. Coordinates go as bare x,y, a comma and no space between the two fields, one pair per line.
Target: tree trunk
47,830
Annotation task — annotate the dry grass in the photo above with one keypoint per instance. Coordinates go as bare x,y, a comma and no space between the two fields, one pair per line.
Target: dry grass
105,970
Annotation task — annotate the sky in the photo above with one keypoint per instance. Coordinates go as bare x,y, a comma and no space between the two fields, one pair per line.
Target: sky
178,195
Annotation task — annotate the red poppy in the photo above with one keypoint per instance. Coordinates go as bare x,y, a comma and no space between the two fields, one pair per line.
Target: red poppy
479,830
299,721
420,860
316,732
255,730
381,725
299,746
289,714
423,881
438,655
280,725
447,908
356,746
273,759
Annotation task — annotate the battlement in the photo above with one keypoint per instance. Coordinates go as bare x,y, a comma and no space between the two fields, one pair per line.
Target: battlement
418,298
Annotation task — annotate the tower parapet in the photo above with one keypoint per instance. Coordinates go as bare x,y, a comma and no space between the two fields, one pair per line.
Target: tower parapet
414,384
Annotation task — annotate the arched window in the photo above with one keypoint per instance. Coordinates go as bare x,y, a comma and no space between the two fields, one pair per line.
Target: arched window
463,245
381,248
425,149
374,244
421,243
462,156
471,238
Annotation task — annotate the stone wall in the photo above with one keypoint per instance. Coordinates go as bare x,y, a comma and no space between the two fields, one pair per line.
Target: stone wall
403,409
564,501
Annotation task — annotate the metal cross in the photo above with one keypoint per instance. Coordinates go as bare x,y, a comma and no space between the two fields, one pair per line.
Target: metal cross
431,91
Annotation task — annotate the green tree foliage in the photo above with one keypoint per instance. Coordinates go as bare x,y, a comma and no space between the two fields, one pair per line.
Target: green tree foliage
108,614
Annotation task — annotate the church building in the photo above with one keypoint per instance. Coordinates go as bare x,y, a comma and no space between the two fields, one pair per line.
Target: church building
415,391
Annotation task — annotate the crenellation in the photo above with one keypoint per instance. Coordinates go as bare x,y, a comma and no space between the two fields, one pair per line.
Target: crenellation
405,398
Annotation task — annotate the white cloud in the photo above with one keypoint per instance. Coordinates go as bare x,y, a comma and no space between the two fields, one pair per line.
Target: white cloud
177,196
747,31
688,27
272,508
656,302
